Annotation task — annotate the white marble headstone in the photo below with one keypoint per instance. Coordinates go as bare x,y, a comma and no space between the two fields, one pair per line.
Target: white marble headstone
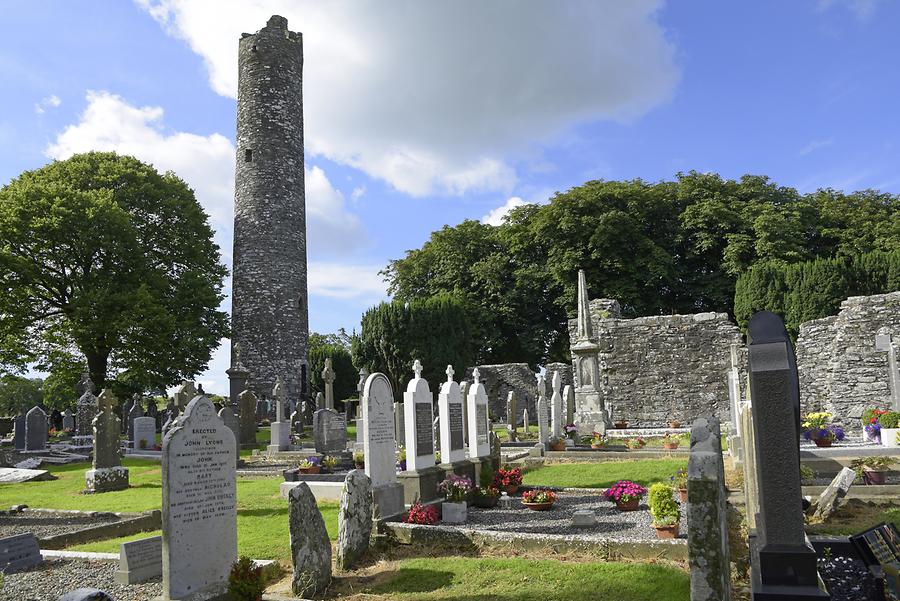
418,405
556,406
450,413
144,431
479,426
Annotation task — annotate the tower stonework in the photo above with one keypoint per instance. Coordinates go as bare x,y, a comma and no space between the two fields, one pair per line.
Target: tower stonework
270,319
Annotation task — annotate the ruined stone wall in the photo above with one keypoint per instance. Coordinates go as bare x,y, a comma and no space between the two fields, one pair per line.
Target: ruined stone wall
499,379
655,369
840,370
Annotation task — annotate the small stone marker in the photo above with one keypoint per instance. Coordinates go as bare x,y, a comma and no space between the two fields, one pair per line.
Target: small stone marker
450,414
139,560
477,400
144,433
584,518
35,429
556,406
380,446
511,421
106,471
226,414
19,432
543,430
834,493
68,420
329,431
199,517
569,399
19,552
354,519
419,419
13,475
248,403
310,547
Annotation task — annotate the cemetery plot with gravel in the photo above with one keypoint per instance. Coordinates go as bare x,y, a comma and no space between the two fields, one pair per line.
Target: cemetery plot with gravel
45,524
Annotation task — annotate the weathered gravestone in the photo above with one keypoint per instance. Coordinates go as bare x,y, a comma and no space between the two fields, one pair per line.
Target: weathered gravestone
329,431
281,430
834,493
310,546
68,420
525,421
421,478
86,407
144,433
328,378
135,412
153,411
354,519
139,560
106,471
35,429
226,414
126,410
569,400
400,423
707,515
248,405
556,406
541,408
19,552
450,413
748,445
783,562
380,446
199,517
477,400
19,432
511,420
885,342
184,394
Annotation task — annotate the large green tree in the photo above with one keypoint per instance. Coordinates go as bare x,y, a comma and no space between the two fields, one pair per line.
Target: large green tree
659,248
18,393
103,254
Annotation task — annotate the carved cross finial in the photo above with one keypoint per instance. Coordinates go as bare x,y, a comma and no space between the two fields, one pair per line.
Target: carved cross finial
449,373
328,372
417,368
106,399
237,353
556,382
476,375
278,391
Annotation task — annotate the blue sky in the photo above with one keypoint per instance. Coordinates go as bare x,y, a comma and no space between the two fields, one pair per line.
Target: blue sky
420,114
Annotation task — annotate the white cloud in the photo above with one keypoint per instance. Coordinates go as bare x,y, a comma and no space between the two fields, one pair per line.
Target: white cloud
51,101
816,145
862,9
342,281
497,216
358,192
206,163
445,97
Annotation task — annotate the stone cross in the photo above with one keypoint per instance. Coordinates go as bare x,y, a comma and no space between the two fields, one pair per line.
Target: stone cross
885,342
279,393
328,377
476,375
106,473
280,429
449,373
417,369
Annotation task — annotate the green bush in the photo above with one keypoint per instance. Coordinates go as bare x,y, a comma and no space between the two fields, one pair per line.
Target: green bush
663,508
807,473
891,419
486,478
246,581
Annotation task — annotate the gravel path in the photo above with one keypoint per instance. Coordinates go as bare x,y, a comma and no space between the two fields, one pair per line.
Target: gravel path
612,524
49,524
57,576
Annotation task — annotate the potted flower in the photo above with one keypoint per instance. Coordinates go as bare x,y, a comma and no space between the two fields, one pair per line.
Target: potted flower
557,443
872,470
508,480
670,441
359,460
872,424
310,465
636,443
401,458
485,497
539,499
818,428
422,514
625,494
328,464
599,441
571,431
665,511
456,491
680,482
890,428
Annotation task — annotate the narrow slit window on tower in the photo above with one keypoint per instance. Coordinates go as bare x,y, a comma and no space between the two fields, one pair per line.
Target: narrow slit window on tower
248,156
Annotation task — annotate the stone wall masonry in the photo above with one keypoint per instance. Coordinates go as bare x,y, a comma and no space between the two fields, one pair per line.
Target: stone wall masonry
657,368
840,370
499,380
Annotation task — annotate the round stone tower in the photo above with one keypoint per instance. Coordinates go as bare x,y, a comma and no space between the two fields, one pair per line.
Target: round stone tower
269,311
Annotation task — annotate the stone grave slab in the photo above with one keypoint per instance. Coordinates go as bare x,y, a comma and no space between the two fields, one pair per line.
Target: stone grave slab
139,560
11,475
19,552
329,431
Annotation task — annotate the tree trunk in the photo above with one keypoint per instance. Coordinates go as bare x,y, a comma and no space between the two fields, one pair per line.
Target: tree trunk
97,363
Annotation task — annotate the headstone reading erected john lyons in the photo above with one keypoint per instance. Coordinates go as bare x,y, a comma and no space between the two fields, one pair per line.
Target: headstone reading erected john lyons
330,431
380,446
479,443
199,512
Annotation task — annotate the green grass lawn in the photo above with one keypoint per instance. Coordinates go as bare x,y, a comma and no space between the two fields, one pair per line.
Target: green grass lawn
605,474
473,579
262,514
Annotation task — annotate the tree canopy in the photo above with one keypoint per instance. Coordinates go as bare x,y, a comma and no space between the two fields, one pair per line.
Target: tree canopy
337,348
659,248
107,260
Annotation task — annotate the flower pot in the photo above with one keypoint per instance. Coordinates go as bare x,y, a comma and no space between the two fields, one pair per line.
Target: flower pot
822,442
671,446
873,476
629,505
558,446
682,494
510,490
454,513
538,506
310,470
674,424
485,502
598,446
667,531
621,425
889,437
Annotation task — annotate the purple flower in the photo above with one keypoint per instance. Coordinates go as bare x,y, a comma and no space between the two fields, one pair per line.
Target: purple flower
838,432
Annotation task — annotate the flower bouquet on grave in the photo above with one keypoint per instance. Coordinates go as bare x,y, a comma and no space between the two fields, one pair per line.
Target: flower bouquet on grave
599,441
456,491
665,511
359,460
422,514
636,443
818,428
485,497
671,441
508,480
401,458
539,499
625,494
310,465
328,464
871,421
571,431
680,482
